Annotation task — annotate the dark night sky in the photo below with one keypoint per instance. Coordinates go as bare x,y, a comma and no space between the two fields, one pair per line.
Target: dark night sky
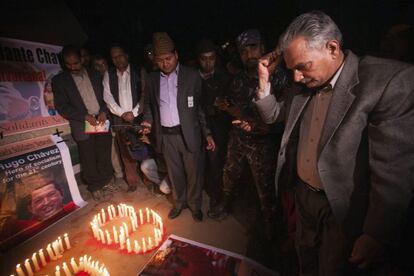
132,22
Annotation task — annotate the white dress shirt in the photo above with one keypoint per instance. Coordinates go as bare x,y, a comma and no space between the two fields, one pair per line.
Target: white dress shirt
125,95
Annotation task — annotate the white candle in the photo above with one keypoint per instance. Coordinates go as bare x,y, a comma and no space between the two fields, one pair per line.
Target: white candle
121,238
61,249
115,235
108,237
119,211
126,229
50,252
113,210
148,215
55,246
141,221
66,269
136,247
81,264
42,257
19,270
129,246
111,217
99,220
132,224
144,247
103,215
35,263
153,216
67,242
155,236
149,243
101,234
74,265
136,221
57,273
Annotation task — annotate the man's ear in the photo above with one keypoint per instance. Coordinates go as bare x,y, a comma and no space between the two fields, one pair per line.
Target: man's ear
333,48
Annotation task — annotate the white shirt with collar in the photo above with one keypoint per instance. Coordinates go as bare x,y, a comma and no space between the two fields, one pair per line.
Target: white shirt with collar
125,94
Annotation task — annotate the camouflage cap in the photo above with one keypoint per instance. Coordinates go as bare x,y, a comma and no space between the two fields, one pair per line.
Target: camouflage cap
248,37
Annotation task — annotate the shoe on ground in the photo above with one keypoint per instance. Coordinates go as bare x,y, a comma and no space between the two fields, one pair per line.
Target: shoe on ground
131,189
97,195
218,212
197,215
110,187
174,212
164,188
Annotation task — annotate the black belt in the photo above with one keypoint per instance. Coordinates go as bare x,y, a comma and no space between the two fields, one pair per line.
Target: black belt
171,130
310,187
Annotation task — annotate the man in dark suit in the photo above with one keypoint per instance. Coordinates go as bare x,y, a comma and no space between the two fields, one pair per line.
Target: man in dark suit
172,110
78,98
347,147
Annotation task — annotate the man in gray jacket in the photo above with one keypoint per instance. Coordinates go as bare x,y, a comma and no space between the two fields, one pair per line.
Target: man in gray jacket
347,146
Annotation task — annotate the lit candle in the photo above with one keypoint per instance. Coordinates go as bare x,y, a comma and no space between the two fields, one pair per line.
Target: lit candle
57,273
42,257
141,221
148,216
81,264
99,220
108,237
129,246
66,269
149,243
126,229
74,265
121,238
35,263
119,211
55,246
103,215
101,234
136,247
155,236
144,247
113,210
61,249
110,213
115,235
50,252
67,242
153,216
132,224
19,270
135,220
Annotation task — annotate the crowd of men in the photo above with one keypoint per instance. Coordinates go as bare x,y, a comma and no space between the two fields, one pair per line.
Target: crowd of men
320,129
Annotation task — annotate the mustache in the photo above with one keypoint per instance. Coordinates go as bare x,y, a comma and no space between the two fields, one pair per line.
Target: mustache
252,62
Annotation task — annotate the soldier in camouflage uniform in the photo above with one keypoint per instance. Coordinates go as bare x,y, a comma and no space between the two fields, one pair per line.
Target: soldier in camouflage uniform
259,146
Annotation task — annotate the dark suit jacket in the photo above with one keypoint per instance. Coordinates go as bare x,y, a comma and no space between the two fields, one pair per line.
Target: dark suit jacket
69,103
366,152
192,119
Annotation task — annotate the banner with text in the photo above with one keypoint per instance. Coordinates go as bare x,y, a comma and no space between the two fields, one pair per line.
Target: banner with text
26,97
37,187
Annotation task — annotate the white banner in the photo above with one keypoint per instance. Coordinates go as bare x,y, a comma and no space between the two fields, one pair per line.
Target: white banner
26,97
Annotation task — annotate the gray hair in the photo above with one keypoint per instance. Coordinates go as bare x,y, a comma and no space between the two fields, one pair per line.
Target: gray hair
315,26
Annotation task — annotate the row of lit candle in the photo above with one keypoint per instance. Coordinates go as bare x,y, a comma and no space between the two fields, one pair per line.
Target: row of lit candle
121,235
86,264
54,252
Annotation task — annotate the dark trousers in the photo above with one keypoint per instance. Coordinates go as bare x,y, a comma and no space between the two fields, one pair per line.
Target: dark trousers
185,171
322,247
95,160
129,165
260,156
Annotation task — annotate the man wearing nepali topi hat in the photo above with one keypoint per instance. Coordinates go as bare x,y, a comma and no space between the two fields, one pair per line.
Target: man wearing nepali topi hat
172,111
